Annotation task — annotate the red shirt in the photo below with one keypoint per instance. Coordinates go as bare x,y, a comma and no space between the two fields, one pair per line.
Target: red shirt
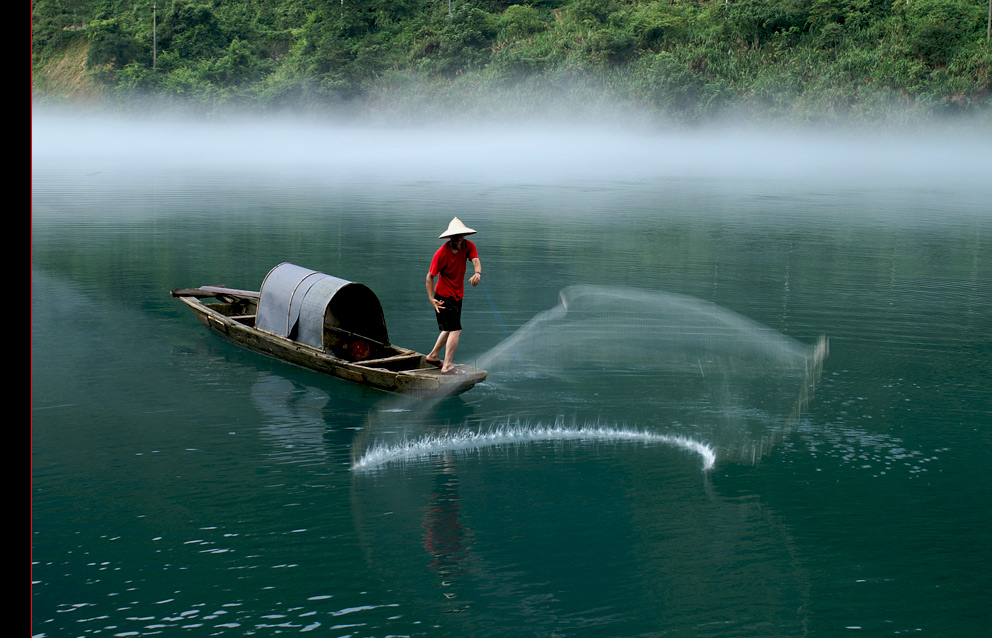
451,268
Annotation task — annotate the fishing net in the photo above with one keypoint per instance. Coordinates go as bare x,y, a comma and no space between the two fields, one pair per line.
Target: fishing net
626,364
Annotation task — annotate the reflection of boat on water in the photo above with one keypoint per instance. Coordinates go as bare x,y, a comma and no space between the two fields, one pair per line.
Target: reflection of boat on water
325,324
294,423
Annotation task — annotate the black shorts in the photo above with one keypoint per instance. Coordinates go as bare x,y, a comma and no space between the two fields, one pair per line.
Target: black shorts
449,318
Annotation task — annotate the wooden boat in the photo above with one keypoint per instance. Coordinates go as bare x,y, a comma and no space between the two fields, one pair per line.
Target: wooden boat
326,324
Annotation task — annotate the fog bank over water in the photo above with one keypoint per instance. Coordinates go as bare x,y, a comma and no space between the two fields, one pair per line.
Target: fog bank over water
499,154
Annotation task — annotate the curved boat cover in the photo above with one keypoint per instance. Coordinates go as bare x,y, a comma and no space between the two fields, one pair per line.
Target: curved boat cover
296,303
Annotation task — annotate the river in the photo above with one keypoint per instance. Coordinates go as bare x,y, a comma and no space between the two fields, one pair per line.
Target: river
658,450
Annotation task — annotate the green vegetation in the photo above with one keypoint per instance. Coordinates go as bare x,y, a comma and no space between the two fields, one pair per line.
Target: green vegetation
806,60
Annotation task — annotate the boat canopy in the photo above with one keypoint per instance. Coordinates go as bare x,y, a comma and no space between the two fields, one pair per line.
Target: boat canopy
297,303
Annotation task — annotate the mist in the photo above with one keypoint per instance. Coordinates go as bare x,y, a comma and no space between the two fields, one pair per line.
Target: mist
541,152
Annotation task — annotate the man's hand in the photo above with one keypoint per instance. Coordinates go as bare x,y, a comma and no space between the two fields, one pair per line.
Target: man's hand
437,303
476,278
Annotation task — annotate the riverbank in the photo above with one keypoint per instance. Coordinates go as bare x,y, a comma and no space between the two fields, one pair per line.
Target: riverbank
678,62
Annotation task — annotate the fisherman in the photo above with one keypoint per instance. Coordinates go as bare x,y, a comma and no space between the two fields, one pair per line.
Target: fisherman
448,266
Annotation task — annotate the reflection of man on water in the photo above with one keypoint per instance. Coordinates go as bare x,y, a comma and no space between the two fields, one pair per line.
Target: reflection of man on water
444,536
448,266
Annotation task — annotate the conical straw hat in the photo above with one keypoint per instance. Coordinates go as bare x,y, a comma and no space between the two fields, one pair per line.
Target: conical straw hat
456,227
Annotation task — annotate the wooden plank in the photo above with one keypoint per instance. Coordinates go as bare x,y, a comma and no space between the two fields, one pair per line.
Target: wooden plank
213,291
233,292
395,357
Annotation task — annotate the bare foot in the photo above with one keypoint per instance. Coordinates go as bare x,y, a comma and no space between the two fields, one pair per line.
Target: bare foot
451,370
433,362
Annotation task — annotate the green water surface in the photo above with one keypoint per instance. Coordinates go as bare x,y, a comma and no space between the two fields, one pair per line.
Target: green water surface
183,486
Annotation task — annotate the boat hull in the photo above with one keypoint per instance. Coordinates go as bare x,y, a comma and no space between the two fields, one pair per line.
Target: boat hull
406,373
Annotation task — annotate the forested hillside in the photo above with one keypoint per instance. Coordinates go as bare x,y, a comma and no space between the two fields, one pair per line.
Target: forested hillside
806,60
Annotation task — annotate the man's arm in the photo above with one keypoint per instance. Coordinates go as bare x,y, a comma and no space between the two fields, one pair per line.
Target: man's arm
477,277
437,303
